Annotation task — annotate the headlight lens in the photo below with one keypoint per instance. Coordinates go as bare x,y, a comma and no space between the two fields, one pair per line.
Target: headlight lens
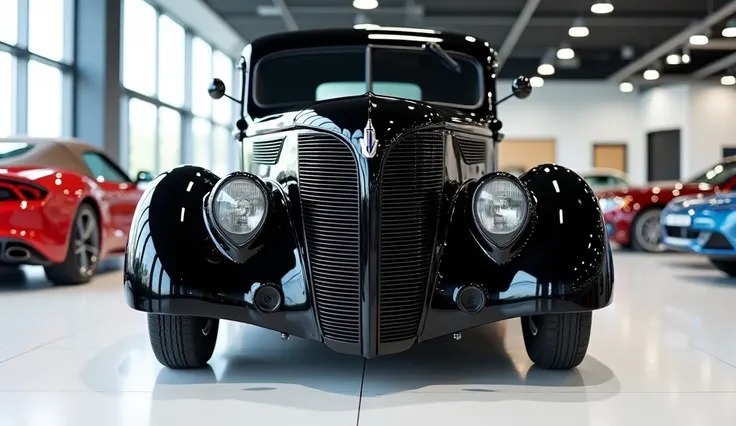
500,206
239,207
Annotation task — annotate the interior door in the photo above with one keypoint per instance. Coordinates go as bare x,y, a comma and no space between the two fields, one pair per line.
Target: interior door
610,156
663,149
515,154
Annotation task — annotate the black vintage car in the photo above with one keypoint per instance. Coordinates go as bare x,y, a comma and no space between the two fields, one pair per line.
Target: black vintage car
368,215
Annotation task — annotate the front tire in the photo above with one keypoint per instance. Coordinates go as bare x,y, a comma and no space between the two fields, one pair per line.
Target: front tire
557,341
182,341
726,266
82,256
646,231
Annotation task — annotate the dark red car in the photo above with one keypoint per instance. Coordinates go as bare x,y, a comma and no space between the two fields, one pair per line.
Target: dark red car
632,214
63,205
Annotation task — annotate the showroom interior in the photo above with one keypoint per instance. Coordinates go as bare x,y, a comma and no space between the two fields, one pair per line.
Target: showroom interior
102,102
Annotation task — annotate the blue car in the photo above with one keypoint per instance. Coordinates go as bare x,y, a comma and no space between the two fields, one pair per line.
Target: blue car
704,225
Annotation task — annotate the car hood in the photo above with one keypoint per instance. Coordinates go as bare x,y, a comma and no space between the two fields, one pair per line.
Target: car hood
725,200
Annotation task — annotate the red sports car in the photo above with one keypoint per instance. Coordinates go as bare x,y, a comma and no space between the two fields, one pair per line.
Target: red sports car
632,214
64,205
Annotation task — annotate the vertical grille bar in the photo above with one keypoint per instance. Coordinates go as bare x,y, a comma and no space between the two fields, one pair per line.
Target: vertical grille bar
329,190
411,191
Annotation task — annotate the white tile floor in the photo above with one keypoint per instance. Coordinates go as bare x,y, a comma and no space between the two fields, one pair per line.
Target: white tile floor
663,354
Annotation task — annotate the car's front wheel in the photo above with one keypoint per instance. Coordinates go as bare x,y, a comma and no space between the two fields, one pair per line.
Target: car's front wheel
727,266
646,231
182,341
557,341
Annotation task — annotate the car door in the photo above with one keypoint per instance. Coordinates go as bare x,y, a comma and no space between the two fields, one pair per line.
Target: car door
120,193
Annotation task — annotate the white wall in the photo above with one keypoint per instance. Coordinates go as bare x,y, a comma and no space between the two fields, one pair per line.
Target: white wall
712,125
577,115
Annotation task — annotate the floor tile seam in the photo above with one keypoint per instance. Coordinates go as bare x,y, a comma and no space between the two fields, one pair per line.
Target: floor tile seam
492,392
716,357
360,396
35,348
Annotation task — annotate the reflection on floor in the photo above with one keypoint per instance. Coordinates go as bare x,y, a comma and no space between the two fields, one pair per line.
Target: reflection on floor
663,353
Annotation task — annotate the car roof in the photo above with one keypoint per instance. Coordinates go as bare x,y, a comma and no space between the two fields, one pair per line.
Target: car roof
56,153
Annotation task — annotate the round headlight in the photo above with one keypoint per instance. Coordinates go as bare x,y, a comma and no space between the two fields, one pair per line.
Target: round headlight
500,207
239,207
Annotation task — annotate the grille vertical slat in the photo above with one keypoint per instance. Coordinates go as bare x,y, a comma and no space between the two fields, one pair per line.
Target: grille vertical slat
411,190
329,190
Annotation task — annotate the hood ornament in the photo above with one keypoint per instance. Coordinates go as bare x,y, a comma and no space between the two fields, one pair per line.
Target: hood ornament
369,143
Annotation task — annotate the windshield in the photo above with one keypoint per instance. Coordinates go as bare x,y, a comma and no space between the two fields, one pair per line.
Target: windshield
13,149
717,175
306,75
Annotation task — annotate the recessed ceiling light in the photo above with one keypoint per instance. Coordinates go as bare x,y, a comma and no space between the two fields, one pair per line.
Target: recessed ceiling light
626,87
601,7
674,59
365,4
536,81
651,74
685,57
728,80
578,28
546,69
730,30
699,39
565,52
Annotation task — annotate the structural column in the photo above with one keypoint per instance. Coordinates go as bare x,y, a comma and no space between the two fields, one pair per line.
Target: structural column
97,115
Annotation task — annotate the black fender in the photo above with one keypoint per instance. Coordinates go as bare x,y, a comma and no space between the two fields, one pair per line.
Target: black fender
173,267
563,264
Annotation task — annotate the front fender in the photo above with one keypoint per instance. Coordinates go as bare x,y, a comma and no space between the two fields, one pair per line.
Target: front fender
173,267
564,265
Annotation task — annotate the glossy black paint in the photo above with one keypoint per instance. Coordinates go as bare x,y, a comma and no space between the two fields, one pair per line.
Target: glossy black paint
560,263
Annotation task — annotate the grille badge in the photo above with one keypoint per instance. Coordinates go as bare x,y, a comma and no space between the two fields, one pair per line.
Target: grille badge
369,143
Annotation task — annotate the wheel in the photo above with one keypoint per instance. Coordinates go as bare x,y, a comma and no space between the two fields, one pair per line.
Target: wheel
182,341
646,232
727,266
557,341
82,255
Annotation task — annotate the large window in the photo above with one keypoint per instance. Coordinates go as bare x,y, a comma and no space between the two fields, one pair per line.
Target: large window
36,67
46,30
141,136
45,100
7,100
170,117
139,47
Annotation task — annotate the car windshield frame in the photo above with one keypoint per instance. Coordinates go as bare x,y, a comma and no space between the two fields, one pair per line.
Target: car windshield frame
728,166
369,71
7,153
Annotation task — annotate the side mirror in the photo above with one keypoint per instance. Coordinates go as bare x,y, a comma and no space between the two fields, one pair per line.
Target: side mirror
217,89
521,87
143,177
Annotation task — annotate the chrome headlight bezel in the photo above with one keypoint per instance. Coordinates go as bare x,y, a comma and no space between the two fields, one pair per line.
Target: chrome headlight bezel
502,241
231,239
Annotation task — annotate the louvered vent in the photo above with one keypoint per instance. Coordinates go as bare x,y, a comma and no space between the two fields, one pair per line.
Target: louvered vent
411,191
473,151
328,184
267,151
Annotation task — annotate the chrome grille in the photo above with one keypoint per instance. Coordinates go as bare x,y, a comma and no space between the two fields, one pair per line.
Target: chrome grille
411,191
329,190
267,151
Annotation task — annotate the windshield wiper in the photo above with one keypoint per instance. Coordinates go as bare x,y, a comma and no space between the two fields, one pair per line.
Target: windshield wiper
446,59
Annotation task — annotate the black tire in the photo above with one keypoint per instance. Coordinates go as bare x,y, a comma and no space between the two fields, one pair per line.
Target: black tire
726,266
639,242
557,341
182,341
82,256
